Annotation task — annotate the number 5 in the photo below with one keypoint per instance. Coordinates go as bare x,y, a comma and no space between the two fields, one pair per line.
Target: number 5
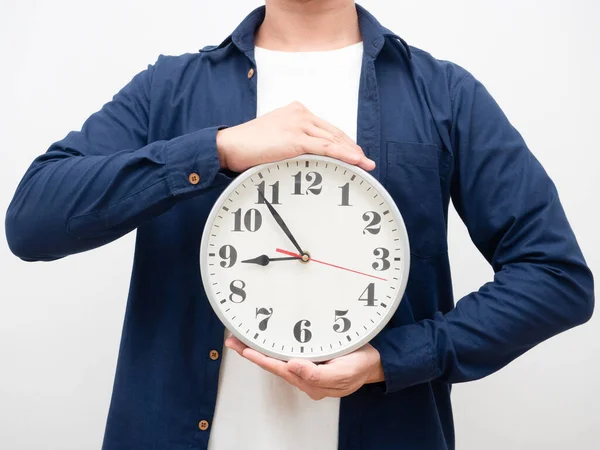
345,322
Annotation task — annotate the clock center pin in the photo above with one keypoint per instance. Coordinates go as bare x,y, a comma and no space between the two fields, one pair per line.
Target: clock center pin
305,257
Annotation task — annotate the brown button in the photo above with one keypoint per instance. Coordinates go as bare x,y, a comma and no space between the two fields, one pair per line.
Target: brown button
203,425
251,72
194,178
214,355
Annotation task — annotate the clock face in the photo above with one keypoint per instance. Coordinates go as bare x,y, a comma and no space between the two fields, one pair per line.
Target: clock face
329,294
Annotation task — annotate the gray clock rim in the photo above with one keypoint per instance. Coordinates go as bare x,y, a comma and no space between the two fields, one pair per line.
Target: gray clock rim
363,340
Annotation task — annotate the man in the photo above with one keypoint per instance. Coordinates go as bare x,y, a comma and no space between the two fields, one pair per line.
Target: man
322,77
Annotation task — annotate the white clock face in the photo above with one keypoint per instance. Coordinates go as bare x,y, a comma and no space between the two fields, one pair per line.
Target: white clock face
350,235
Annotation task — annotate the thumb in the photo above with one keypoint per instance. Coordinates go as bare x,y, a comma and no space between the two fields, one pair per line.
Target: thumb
306,370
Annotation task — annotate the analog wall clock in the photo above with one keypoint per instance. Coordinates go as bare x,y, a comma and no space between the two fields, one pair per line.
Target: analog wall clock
307,257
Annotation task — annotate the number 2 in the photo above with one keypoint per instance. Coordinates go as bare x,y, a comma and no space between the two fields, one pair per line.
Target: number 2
374,220
314,178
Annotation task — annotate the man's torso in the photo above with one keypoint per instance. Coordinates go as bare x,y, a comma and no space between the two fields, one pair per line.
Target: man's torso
166,383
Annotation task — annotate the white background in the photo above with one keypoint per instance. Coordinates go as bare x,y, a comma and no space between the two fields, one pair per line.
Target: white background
60,322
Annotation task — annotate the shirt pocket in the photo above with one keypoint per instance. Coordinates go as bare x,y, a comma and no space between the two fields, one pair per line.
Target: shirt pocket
414,182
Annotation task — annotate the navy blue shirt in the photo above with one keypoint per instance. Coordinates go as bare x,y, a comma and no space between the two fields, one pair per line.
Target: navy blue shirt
435,133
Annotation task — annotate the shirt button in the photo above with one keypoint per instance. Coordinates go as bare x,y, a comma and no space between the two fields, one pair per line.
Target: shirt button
194,178
203,425
214,355
251,72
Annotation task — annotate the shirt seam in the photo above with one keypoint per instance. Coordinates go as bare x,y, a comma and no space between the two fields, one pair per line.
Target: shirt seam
150,100
109,206
458,86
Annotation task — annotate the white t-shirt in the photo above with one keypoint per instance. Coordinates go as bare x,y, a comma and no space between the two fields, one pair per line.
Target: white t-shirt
256,410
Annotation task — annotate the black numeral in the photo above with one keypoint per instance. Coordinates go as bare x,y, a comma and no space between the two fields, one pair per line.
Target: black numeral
302,335
345,322
370,298
345,195
229,255
314,178
274,193
381,255
252,220
262,325
374,220
238,294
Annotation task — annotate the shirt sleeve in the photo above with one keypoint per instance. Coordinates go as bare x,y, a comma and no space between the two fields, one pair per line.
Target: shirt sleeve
542,285
99,183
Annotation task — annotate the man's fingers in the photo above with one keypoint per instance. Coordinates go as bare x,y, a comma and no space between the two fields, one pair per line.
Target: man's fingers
339,144
302,378
317,381
306,370
275,366
322,375
336,134
235,344
317,393
324,147
271,364
316,131
345,146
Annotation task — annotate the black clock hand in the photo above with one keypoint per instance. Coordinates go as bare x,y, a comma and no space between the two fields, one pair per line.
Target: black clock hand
264,260
281,223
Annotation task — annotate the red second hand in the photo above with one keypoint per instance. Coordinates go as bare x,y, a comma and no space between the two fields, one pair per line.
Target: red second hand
285,252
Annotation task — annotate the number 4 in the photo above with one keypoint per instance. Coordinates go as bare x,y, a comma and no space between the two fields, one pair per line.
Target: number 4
370,299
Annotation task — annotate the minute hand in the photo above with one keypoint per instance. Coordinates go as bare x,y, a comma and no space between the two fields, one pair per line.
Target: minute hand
281,223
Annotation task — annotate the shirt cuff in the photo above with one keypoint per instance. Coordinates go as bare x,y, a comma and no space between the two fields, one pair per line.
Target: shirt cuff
193,161
407,356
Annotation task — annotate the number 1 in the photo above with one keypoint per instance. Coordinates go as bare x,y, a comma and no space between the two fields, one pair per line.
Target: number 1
345,195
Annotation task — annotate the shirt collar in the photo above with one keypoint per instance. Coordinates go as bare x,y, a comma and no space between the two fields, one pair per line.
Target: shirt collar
373,33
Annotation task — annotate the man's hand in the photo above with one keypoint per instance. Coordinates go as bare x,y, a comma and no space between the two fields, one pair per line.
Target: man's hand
336,378
284,133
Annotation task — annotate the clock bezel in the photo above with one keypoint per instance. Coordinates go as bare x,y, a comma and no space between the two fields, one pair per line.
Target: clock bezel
392,307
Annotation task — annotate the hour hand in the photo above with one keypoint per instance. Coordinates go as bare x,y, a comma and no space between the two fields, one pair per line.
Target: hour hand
264,260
